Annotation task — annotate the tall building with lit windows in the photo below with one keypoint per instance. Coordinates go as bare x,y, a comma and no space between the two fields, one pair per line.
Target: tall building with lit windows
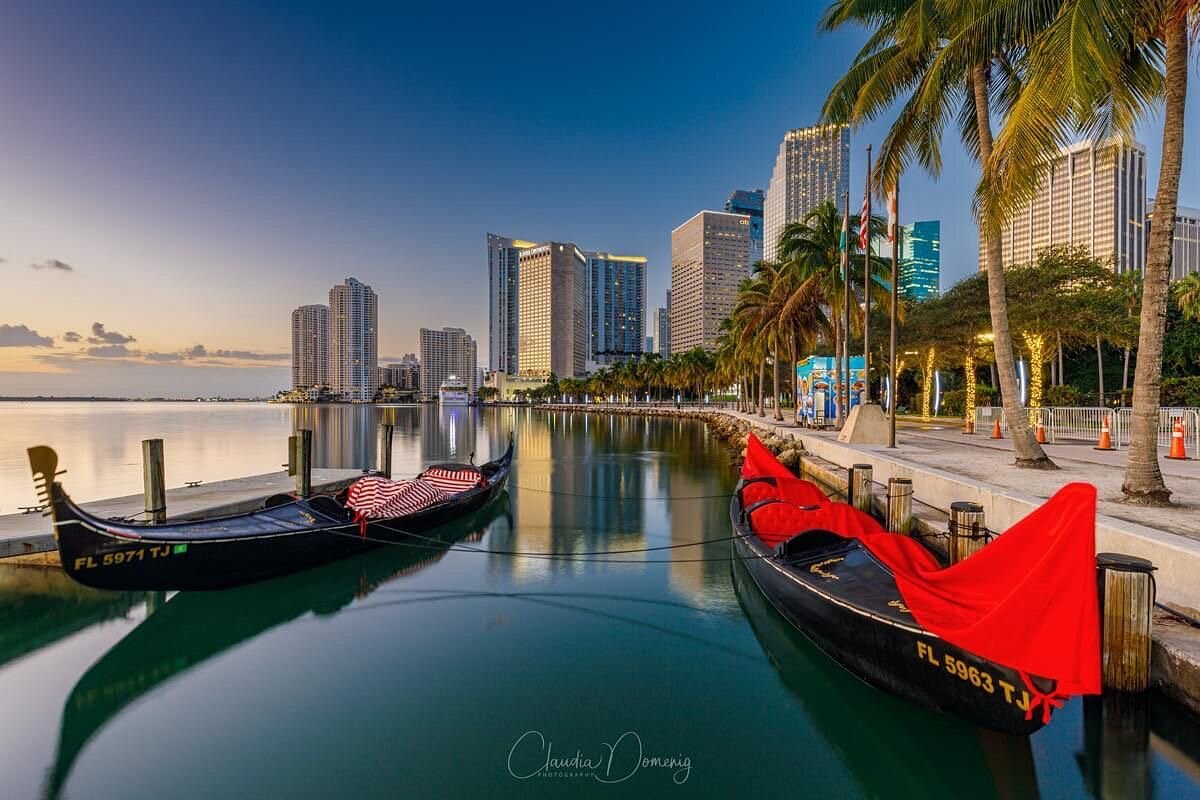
710,257
811,167
1185,252
353,341
920,259
552,324
503,308
1094,197
662,329
310,347
616,307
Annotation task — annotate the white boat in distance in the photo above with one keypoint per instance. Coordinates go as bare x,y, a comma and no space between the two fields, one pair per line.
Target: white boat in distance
453,392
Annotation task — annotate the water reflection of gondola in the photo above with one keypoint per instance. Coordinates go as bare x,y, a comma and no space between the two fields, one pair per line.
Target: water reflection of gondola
193,627
892,748
41,605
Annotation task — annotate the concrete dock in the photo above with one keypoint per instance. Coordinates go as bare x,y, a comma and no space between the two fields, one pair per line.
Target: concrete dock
30,534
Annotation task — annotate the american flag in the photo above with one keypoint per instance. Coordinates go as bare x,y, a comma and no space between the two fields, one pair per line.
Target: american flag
864,224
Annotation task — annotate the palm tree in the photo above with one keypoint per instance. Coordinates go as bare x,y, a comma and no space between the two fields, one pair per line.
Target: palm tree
812,258
1097,66
939,59
1129,289
1187,295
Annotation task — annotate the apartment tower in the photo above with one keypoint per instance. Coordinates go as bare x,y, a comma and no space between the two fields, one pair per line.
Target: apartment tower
446,352
310,347
616,307
353,341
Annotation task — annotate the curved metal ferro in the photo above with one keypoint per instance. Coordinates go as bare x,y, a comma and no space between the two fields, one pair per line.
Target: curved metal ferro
43,462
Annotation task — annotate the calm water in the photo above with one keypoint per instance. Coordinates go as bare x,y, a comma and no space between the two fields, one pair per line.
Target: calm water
422,672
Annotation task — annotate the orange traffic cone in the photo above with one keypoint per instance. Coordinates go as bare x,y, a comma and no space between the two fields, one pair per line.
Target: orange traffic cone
996,434
1105,442
969,426
1041,433
1178,451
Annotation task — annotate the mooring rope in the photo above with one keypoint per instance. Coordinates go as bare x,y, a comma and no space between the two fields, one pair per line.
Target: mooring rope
582,557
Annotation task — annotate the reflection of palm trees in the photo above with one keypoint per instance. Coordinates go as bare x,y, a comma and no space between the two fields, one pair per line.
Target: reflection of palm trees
182,634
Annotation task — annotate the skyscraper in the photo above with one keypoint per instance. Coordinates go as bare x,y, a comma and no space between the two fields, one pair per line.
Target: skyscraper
750,203
662,328
616,307
1185,249
353,341
310,347
710,256
1093,197
552,320
812,166
446,352
920,259
503,309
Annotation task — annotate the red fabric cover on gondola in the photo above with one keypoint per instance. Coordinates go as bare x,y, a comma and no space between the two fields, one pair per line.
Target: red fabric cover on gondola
761,463
1028,600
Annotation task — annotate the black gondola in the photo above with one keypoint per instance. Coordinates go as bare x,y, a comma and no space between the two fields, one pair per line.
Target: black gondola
836,593
287,535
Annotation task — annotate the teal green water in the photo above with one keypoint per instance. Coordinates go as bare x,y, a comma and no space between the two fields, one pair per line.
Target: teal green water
427,672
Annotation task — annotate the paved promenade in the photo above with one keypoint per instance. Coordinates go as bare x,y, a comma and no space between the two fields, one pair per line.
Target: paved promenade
942,445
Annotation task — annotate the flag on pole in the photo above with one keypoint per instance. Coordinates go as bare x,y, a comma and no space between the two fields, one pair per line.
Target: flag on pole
892,200
844,241
864,224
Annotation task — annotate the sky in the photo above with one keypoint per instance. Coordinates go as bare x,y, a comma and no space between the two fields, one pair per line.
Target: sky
176,177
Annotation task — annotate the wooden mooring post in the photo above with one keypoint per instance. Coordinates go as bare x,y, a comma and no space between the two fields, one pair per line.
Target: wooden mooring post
859,488
154,481
1126,585
302,459
383,455
899,505
968,533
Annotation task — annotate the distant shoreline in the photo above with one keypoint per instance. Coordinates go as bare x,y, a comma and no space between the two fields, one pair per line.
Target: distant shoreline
84,399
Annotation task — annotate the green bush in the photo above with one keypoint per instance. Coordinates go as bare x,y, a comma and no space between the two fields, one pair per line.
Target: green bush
985,395
953,401
1065,395
1181,391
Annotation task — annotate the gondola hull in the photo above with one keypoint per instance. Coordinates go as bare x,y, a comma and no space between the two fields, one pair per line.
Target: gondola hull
846,602
235,550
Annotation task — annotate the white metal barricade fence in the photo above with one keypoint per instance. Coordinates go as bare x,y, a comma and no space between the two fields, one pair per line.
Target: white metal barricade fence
1166,426
1083,424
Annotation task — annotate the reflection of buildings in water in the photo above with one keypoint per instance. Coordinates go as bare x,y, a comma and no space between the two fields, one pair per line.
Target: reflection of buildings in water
449,433
698,573
343,435
579,487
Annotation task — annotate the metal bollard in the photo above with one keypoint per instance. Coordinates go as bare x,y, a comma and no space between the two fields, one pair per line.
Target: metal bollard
858,491
899,505
384,451
967,530
1126,586
153,480
303,462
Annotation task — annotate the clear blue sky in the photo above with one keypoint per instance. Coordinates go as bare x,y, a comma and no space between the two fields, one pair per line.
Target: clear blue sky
204,168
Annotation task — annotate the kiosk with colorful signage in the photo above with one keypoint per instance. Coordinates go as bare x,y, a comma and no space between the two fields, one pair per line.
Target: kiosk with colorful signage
816,376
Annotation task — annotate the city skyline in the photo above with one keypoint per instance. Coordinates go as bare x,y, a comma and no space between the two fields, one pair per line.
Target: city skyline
175,205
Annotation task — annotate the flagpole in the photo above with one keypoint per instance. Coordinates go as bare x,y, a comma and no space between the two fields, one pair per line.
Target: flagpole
844,356
867,287
895,221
